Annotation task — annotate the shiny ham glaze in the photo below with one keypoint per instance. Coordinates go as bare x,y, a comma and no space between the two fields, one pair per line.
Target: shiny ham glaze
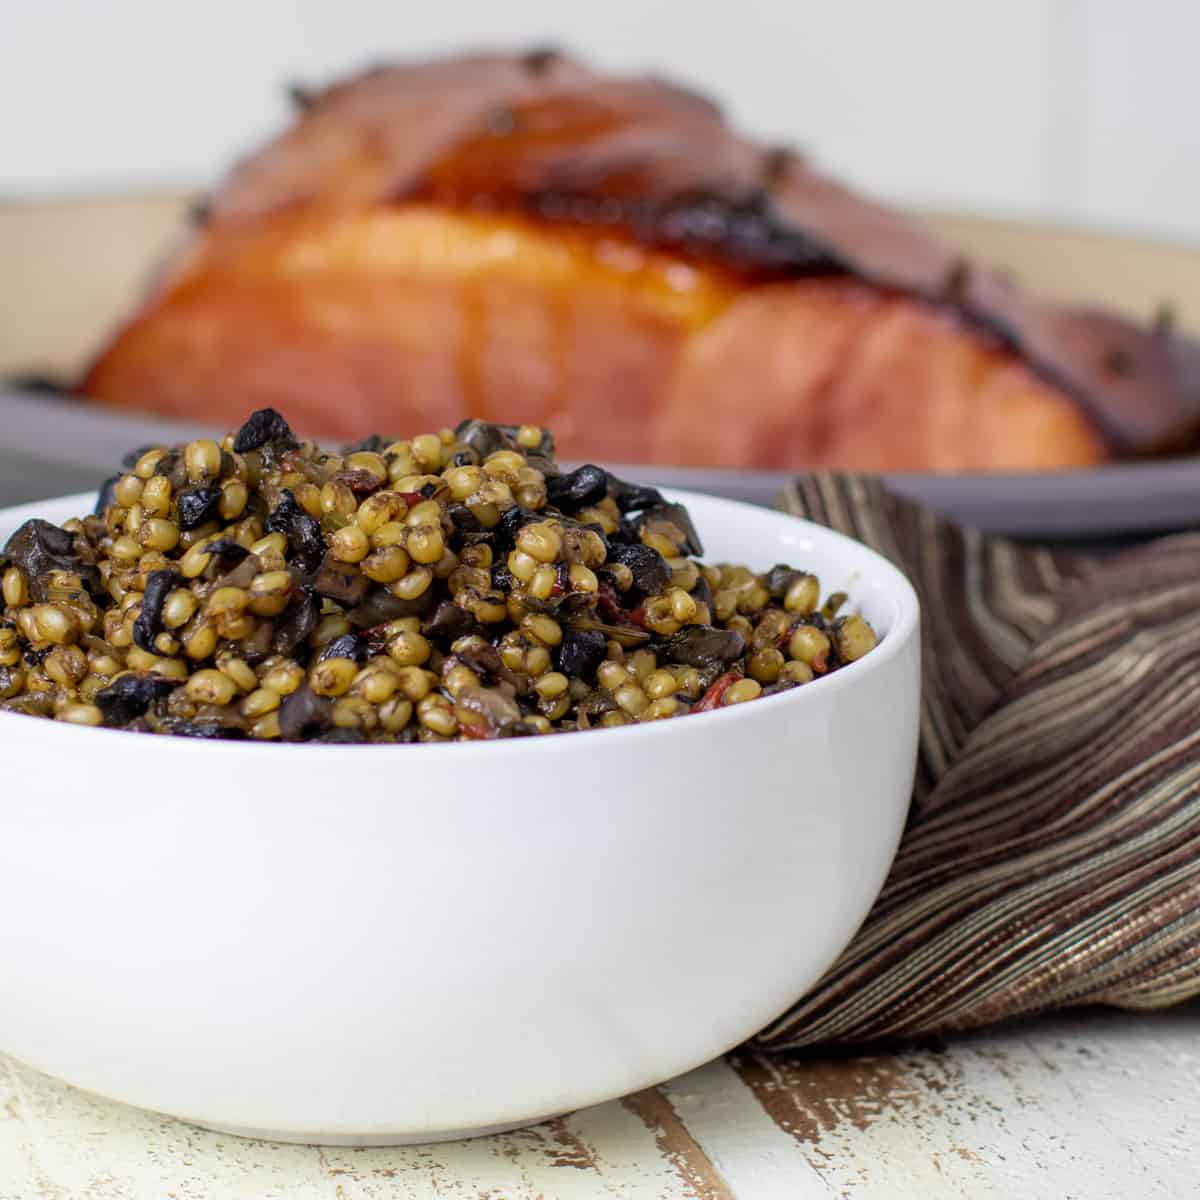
518,239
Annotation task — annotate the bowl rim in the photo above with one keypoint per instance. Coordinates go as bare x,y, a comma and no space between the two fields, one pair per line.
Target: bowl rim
904,627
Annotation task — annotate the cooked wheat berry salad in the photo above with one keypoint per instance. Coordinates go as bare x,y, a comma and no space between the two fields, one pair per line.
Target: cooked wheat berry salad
452,586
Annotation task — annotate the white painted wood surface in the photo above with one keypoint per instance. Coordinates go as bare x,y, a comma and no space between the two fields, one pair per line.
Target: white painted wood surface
1086,1106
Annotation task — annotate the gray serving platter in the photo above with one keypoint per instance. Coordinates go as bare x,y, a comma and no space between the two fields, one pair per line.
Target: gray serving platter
50,445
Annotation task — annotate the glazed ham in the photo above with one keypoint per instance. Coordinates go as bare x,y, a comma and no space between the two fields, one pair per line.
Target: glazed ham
520,239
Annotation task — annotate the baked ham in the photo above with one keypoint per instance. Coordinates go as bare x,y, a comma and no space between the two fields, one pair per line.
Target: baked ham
518,238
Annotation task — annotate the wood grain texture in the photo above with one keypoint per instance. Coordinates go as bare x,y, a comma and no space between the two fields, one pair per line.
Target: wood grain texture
677,1145
1096,1106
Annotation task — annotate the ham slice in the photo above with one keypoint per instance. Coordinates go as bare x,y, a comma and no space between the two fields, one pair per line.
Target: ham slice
518,238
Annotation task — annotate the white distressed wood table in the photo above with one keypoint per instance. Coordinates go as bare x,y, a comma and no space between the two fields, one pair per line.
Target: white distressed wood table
1087,1106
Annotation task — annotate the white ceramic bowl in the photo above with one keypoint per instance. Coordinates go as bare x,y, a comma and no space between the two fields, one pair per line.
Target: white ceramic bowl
374,945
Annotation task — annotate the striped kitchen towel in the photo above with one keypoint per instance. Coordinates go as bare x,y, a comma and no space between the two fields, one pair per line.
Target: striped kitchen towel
1052,854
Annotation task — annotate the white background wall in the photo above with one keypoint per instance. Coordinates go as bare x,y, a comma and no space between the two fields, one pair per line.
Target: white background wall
1077,110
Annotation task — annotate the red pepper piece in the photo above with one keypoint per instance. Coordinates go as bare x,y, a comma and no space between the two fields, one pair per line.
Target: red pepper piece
606,601
716,692
477,733
360,482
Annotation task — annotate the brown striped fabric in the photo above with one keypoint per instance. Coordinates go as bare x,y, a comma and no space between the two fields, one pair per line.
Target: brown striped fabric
1052,855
